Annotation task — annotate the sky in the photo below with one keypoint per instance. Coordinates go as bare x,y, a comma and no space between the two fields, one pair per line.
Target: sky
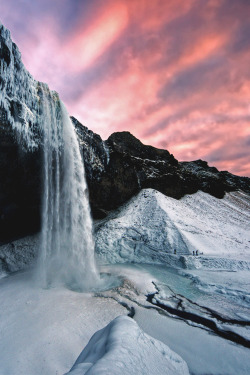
175,73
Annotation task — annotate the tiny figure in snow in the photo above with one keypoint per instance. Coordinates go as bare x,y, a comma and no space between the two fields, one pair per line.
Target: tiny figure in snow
174,251
196,252
193,252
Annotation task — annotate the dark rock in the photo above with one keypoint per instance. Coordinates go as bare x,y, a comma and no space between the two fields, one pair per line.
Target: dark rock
4,51
212,181
120,167
20,188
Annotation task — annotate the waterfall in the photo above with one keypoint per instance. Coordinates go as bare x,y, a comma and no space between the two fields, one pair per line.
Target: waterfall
67,245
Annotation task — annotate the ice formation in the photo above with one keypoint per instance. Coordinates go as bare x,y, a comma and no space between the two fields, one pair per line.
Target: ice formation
19,94
123,348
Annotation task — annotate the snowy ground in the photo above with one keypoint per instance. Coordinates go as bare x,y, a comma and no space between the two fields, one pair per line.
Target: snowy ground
204,348
196,305
44,331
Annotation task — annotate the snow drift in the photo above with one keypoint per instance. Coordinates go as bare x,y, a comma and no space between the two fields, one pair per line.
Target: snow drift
123,348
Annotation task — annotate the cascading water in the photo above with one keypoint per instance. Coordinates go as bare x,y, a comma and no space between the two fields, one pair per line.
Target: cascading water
67,245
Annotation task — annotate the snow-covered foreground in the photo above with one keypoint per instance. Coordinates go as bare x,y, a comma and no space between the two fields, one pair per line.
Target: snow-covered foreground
43,331
196,305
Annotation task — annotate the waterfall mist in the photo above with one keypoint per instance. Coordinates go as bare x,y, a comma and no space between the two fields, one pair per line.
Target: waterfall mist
67,245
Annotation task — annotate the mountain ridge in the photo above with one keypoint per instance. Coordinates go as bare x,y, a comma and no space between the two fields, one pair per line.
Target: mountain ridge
119,167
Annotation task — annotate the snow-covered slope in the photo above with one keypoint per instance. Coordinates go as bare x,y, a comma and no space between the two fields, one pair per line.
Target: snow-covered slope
152,228
123,348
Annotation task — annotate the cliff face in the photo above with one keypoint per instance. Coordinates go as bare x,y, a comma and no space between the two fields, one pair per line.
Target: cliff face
116,169
20,156
22,119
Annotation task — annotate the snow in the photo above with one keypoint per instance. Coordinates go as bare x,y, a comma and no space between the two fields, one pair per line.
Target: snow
235,285
18,255
152,227
123,348
44,330
204,353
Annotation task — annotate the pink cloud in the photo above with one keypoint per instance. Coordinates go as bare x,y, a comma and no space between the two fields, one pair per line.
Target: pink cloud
88,44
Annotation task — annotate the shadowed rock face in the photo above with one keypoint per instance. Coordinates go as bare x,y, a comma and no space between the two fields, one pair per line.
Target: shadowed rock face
20,187
116,169
20,144
121,166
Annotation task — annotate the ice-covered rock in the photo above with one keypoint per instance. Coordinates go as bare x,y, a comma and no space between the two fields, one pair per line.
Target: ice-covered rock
19,94
123,348
154,228
19,254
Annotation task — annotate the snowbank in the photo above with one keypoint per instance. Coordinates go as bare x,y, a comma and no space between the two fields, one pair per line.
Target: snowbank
123,348
152,227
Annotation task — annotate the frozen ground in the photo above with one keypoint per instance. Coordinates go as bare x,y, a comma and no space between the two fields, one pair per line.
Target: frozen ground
44,330
196,305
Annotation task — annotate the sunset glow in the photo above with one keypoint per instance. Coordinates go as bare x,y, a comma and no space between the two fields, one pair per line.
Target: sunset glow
173,73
